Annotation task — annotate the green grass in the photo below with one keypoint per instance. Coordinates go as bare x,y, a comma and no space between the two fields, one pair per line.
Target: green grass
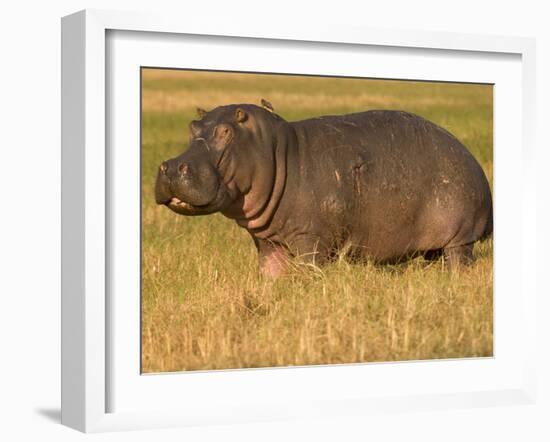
204,306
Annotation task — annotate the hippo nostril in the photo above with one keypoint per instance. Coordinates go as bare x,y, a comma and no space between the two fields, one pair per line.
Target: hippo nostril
163,168
183,168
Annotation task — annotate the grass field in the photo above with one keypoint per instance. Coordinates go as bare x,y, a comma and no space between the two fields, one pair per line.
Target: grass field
204,305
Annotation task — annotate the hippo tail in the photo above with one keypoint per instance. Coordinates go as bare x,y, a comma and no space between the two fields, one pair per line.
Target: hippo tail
488,227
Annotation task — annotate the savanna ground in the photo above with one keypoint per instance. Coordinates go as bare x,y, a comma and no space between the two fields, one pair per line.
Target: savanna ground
204,306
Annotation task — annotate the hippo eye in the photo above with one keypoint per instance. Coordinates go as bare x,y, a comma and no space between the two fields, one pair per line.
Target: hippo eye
223,134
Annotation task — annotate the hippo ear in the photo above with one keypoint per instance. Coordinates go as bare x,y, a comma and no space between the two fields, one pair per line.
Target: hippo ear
201,112
240,115
267,105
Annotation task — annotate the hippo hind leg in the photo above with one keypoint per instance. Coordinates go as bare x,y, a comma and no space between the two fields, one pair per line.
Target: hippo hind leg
433,255
457,256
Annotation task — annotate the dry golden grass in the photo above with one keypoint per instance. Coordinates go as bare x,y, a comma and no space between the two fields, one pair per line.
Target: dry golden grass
204,306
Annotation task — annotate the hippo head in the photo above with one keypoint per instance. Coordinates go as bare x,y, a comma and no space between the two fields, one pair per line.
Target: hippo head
228,166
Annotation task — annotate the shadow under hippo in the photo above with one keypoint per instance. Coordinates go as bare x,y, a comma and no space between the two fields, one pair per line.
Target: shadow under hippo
381,185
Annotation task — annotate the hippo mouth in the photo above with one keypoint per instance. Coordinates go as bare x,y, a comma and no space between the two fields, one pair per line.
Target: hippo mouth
219,202
180,206
176,202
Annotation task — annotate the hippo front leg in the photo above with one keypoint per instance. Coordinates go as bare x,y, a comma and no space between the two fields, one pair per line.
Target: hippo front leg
273,259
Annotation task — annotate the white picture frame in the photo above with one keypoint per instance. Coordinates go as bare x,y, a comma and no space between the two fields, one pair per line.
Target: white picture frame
87,358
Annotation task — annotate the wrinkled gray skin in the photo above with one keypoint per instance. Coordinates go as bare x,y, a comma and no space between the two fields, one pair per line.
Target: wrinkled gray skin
380,185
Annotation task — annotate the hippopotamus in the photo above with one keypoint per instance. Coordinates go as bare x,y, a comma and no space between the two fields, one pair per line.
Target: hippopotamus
379,185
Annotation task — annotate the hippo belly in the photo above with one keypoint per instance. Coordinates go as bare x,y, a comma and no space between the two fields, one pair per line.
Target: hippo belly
386,185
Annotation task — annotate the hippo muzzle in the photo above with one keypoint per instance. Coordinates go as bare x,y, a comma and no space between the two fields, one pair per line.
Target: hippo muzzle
190,184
